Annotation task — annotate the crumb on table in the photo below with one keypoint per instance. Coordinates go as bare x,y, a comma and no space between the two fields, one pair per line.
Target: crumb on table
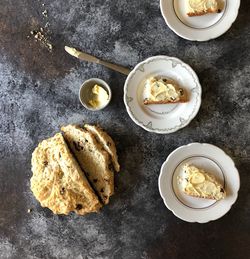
39,35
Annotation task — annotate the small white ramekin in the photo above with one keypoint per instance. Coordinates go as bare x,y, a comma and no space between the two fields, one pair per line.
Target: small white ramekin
85,93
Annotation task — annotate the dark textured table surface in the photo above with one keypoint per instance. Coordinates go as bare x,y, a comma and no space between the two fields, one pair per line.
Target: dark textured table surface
39,93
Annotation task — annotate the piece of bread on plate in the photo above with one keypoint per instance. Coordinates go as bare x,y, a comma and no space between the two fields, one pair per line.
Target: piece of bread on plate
58,182
202,7
198,183
93,159
163,91
106,141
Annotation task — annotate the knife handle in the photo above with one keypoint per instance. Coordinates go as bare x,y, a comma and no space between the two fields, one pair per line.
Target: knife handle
115,67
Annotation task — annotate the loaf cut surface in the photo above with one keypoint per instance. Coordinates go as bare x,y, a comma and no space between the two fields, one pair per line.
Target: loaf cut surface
93,159
107,143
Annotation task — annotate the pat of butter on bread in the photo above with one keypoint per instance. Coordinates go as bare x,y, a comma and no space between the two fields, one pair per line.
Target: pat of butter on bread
198,183
163,91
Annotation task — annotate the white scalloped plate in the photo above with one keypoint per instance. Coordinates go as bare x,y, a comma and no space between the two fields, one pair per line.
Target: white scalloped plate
162,118
212,159
199,28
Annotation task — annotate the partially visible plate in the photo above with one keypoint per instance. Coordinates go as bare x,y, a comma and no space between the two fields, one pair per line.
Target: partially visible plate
162,118
199,28
210,158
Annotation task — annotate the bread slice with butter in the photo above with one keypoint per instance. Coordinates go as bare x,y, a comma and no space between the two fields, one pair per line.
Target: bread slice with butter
199,183
93,159
201,7
163,91
58,182
107,143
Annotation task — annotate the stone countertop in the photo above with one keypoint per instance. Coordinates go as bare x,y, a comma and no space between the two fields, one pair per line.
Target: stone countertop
39,93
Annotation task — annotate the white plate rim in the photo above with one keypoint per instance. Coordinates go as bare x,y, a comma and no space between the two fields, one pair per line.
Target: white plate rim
126,97
205,36
211,216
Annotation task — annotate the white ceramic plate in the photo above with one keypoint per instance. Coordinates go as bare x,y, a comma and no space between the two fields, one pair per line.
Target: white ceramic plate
212,159
162,118
199,28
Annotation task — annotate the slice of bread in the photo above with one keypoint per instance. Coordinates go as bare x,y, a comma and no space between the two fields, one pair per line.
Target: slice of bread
201,7
58,181
163,91
106,141
199,183
95,161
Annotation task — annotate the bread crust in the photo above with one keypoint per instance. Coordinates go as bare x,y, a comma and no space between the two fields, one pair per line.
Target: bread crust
210,10
183,99
210,197
58,182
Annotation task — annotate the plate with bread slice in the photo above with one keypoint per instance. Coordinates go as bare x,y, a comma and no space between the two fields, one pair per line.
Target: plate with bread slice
162,94
199,20
199,182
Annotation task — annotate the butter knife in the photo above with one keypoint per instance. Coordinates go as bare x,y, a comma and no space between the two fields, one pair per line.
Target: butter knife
86,57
